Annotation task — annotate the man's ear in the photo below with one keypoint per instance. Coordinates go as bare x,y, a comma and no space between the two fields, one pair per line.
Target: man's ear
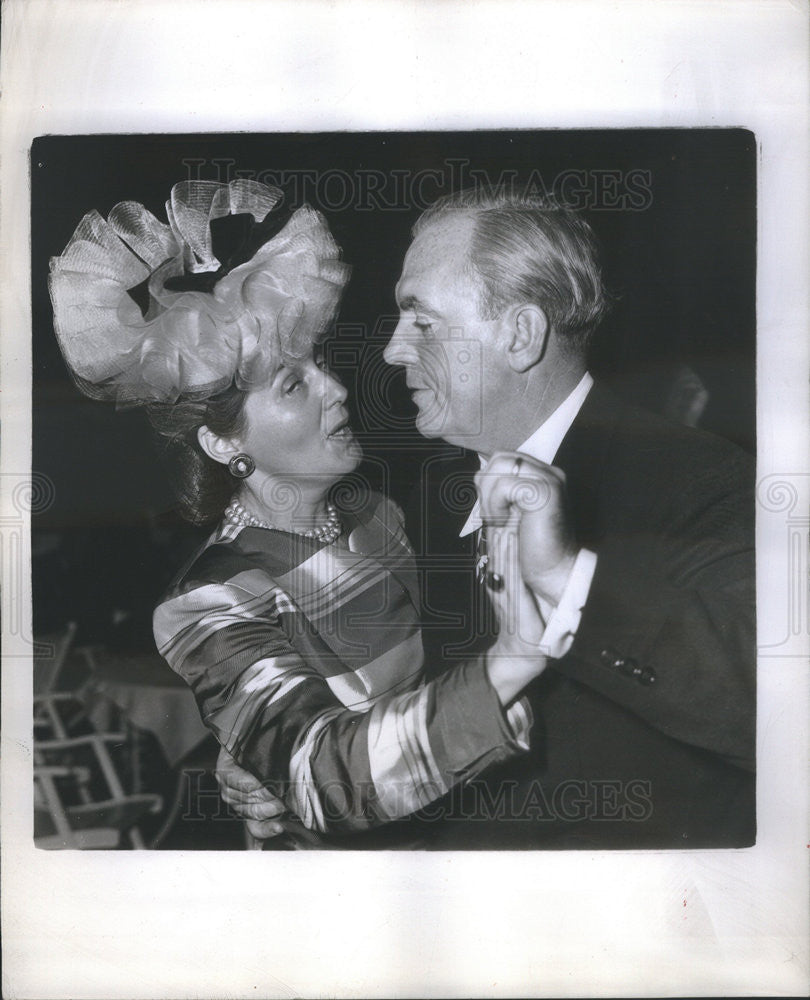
221,449
529,328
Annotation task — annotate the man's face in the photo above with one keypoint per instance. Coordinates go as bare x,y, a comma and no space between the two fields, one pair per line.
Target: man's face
450,355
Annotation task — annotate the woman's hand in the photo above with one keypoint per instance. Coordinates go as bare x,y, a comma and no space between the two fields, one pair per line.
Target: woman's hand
515,659
515,487
249,798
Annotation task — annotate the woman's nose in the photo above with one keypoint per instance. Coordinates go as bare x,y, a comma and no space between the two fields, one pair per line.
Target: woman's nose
334,391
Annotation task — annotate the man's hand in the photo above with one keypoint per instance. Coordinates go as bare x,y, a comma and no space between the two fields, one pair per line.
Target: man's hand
249,798
513,483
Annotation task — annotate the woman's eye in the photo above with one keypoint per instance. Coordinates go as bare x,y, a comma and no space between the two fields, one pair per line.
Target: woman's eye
320,361
291,386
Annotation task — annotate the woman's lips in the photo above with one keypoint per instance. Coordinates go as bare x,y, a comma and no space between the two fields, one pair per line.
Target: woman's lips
339,427
343,431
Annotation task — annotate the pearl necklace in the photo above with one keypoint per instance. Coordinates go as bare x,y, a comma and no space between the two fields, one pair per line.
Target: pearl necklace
327,533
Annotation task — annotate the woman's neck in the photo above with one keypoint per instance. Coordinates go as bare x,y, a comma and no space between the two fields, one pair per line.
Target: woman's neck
286,504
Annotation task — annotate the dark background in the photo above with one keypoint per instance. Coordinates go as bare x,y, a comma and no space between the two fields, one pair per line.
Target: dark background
675,211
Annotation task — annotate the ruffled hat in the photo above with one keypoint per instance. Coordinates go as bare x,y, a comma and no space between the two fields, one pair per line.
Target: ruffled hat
234,285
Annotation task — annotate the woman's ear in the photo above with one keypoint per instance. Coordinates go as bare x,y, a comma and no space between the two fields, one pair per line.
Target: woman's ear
221,449
529,337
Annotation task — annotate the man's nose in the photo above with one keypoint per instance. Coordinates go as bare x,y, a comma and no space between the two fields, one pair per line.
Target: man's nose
397,350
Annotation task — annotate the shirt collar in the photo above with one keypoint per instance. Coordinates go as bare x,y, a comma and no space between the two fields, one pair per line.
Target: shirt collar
546,440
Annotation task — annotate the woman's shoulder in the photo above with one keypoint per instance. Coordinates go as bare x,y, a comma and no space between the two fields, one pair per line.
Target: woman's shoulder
376,516
221,585
363,505
230,557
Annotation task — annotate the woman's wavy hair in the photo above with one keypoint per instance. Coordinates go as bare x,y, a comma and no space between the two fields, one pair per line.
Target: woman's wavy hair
201,485
525,248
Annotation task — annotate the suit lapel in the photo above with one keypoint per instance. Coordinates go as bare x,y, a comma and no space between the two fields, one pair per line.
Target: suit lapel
582,456
455,610
454,607
445,499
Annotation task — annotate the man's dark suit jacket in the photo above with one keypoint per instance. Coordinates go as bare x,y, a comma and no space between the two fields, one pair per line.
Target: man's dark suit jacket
644,730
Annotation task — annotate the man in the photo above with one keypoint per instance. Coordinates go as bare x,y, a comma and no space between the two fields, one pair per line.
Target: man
636,540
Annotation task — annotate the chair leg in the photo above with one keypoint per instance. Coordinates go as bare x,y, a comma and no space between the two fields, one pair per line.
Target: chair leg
136,839
56,722
173,811
55,809
134,834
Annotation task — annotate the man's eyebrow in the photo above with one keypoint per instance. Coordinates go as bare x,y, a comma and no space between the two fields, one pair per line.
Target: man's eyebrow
412,302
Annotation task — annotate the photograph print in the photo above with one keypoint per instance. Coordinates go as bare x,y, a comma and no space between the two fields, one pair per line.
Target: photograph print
396,490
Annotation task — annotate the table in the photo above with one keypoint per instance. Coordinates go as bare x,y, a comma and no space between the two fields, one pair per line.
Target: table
152,698
150,695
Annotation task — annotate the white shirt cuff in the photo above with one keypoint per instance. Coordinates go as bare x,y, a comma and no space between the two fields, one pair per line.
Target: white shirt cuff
562,622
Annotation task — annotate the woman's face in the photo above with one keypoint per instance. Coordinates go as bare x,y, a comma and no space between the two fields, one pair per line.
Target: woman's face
298,427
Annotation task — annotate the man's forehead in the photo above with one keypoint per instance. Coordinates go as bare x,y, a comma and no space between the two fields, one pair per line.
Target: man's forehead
447,235
441,247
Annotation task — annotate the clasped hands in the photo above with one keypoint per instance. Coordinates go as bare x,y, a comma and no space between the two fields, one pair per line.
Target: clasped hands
531,551
523,504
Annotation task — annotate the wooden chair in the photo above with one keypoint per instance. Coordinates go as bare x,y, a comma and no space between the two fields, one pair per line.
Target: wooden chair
80,799
52,828
56,711
50,653
81,769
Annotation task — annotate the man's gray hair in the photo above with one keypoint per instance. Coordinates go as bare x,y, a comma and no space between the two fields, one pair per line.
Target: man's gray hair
528,249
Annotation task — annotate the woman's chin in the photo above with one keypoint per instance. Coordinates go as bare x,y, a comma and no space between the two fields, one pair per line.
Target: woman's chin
354,457
348,448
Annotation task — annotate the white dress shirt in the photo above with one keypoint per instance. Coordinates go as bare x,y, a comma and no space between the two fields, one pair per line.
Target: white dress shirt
563,620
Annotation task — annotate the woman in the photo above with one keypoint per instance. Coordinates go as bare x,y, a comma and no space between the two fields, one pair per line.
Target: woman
296,625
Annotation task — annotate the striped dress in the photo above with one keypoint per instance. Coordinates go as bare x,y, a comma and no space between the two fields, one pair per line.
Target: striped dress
306,662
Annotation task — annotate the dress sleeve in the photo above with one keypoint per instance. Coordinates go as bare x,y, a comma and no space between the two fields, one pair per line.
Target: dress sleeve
338,769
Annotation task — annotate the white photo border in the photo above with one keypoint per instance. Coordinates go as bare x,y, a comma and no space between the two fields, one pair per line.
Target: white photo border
364,924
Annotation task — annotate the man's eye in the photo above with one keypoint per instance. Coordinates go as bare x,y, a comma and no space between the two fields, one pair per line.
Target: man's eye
320,361
423,325
291,386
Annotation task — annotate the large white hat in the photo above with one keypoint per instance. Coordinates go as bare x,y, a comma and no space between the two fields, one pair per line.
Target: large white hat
235,283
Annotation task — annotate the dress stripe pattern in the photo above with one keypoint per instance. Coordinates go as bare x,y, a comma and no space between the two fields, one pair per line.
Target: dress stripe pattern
306,661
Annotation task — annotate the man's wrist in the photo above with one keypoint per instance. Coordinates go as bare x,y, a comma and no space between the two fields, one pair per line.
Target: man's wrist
563,620
549,586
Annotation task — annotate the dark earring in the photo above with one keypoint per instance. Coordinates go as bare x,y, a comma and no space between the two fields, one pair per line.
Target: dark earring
241,466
